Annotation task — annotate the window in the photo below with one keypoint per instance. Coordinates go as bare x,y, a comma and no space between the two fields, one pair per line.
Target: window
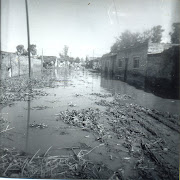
120,63
136,62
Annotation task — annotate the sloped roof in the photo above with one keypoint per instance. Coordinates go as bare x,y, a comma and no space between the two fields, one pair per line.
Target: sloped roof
95,60
109,54
92,58
156,48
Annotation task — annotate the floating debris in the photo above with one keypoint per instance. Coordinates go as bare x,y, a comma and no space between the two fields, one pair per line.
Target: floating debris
78,95
75,166
87,119
132,123
102,95
39,108
19,88
71,104
118,96
2,119
40,126
7,129
103,102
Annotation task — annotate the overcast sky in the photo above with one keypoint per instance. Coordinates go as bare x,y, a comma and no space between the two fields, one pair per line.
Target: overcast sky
83,25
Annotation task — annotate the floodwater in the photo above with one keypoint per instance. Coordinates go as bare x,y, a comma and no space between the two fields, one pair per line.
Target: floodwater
75,87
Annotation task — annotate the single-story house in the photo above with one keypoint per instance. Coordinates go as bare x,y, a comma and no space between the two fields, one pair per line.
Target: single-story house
144,65
49,61
95,64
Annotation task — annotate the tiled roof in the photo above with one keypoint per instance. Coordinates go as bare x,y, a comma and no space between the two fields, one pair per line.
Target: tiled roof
156,48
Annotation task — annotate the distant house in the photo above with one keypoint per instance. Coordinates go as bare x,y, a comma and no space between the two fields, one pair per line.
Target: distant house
144,64
95,64
49,61
107,63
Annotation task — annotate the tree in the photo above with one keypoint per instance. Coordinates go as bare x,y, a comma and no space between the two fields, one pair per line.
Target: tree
156,34
175,35
77,60
64,55
87,59
25,53
20,49
65,50
128,39
115,46
33,49
71,59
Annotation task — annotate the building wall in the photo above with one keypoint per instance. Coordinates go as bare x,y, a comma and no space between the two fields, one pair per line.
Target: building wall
162,65
107,64
104,64
158,72
10,65
110,64
159,66
140,51
163,72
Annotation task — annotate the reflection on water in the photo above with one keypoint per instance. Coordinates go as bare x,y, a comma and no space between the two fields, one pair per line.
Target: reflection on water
71,83
28,120
141,97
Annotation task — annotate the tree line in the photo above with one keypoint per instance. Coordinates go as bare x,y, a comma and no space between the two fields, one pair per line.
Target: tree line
65,57
21,51
128,38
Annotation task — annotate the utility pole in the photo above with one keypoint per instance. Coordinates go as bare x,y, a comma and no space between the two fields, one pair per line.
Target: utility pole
0,50
28,37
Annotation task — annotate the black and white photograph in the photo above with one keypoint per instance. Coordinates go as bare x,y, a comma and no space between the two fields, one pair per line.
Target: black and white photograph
89,89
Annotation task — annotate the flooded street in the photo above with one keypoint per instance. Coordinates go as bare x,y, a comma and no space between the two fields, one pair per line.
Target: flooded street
73,90
58,99
90,90
75,87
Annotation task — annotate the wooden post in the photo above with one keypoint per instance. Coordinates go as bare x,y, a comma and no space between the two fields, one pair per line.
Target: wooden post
0,49
28,37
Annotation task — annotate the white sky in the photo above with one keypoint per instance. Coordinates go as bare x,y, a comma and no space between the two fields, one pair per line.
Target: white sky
83,27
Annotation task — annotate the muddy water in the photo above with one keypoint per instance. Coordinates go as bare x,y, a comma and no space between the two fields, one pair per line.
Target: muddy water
141,97
75,88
